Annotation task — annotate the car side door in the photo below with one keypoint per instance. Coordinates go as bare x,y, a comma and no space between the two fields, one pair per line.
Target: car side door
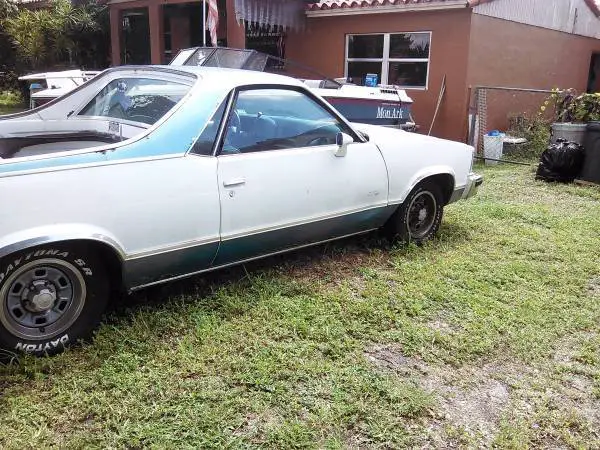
281,184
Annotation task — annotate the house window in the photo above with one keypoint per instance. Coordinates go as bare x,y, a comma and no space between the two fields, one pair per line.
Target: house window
396,58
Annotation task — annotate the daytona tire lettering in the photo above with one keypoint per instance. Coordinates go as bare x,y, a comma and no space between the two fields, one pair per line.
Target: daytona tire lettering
71,290
51,345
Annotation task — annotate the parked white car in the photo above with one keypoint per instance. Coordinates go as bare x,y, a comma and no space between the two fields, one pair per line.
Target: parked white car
149,174
54,84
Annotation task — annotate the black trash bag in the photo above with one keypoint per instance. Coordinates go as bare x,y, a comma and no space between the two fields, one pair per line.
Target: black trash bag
560,162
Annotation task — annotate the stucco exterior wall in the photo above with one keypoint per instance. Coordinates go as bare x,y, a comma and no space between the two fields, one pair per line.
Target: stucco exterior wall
505,53
322,45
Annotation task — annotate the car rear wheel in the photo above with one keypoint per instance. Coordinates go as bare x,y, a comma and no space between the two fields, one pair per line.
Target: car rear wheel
50,297
418,219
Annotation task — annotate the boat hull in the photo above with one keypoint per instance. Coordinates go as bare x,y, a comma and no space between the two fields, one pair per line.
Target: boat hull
372,111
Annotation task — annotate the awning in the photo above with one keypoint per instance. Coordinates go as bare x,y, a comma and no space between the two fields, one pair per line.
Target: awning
287,13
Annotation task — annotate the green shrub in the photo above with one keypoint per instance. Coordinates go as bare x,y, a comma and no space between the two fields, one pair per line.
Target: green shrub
536,130
571,107
64,33
10,98
585,108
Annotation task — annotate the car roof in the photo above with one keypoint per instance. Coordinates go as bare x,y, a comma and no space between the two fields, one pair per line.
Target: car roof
222,76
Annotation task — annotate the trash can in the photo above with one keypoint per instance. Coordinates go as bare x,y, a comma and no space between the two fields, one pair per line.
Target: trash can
570,132
591,164
493,144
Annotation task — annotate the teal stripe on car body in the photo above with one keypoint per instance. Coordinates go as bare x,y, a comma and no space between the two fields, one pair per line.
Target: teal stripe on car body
253,245
171,265
12,166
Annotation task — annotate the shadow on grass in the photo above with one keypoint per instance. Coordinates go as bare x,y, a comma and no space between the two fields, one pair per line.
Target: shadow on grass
339,253
206,284
334,260
453,234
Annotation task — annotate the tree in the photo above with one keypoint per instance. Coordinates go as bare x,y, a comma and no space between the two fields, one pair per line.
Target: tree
7,9
56,35
7,51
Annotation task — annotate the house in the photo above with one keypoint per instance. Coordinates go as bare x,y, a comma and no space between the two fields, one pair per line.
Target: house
538,44
153,31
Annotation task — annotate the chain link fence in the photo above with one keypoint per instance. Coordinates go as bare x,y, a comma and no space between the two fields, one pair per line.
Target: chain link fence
522,116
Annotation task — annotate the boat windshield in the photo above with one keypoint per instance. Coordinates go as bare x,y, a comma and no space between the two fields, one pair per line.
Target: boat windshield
229,58
235,58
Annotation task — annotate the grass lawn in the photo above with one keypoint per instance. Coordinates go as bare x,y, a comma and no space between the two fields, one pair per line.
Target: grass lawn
489,336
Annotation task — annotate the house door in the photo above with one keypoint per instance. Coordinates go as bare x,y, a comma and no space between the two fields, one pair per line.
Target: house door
135,36
594,79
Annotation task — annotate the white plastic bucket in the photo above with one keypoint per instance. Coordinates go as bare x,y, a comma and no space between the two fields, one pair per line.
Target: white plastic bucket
492,148
572,132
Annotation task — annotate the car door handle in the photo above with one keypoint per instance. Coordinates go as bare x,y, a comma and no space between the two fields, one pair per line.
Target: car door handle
234,182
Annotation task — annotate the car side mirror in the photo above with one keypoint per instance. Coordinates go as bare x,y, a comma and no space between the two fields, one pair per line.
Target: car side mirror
342,140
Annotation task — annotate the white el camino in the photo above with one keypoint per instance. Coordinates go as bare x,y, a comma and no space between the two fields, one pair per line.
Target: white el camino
149,174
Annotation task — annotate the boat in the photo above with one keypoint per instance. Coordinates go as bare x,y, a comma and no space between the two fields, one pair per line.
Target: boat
378,105
47,86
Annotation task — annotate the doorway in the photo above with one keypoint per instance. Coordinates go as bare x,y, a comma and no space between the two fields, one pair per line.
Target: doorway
135,36
594,78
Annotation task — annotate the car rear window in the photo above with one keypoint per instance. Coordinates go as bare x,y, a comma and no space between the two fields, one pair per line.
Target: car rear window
142,100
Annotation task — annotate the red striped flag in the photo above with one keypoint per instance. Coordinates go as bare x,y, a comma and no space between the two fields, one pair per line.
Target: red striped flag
213,20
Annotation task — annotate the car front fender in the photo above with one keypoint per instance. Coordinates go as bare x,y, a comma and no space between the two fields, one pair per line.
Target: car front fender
426,172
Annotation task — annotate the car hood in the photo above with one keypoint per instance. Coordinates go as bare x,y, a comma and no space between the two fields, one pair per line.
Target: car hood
404,139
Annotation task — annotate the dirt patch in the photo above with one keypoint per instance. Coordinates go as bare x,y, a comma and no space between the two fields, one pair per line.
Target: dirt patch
472,399
442,327
576,390
577,393
594,287
579,383
390,357
568,347
353,440
249,426
332,264
255,425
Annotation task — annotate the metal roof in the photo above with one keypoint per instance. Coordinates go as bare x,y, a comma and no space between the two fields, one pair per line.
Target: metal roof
391,5
324,5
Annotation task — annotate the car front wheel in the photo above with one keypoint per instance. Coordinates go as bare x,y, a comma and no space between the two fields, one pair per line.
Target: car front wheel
50,297
418,219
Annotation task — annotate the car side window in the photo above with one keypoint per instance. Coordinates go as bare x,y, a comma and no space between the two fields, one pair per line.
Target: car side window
278,119
206,141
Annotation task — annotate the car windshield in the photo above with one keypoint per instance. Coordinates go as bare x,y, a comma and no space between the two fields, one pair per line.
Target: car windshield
143,100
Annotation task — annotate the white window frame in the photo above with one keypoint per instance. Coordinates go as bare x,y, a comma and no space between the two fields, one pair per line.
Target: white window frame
386,60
